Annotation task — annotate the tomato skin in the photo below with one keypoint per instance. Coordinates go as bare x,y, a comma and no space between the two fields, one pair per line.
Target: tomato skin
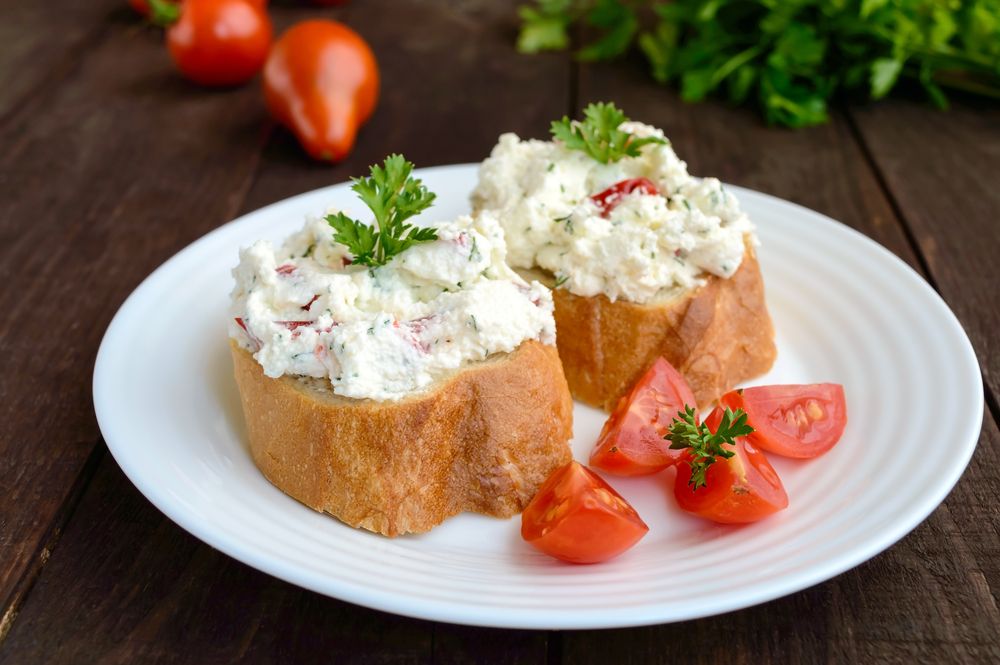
577,517
631,442
321,81
142,6
744,488
220,42
800,421
609,199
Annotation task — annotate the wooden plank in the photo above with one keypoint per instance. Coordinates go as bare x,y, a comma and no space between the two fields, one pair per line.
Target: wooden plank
42,43
943,170
127,585
101,178
932,597
467,645
135,587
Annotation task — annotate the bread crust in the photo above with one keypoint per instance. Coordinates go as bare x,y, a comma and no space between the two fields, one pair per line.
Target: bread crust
716,336
482,440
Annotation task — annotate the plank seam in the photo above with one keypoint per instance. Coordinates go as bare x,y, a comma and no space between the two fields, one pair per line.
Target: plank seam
23,587
992,403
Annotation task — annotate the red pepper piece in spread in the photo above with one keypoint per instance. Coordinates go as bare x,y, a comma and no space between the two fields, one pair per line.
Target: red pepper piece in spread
609,199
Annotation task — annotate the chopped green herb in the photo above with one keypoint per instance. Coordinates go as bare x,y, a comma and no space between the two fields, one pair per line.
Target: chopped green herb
704,446
560,280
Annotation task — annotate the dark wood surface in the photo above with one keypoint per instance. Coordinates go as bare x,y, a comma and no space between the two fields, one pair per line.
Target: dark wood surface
111,164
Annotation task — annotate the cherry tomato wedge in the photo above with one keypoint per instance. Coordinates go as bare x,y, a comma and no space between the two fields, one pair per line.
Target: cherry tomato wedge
579,518
631,442
743,488
612,196
793,420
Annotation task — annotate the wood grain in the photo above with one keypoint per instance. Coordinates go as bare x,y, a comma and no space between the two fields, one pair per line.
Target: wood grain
102,177
43,42
126,585
135,586
943,170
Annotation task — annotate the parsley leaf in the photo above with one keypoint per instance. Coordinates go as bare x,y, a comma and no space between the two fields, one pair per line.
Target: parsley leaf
788,58
704,445
544,28
598,134
393,197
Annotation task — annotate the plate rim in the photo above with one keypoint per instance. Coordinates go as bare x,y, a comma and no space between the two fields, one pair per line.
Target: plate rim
536,617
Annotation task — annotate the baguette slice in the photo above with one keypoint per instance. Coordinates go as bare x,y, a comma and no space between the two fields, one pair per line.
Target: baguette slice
483,440
716,335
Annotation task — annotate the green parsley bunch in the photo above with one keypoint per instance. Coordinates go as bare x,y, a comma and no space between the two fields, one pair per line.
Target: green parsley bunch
790,57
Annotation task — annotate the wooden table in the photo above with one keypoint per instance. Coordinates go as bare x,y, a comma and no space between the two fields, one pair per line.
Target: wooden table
111,163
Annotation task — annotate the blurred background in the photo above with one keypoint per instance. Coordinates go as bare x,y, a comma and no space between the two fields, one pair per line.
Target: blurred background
124,141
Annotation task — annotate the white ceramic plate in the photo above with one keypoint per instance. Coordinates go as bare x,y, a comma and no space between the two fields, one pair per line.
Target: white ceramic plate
846,310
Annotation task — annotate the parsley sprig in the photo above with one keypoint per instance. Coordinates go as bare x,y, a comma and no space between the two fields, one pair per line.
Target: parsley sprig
791,59
598,134
393,196
706,446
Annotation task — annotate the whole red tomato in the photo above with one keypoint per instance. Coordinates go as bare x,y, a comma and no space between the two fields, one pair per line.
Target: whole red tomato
216,42
322,82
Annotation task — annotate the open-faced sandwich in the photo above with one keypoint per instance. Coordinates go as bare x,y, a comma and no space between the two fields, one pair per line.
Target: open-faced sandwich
393,376
645,260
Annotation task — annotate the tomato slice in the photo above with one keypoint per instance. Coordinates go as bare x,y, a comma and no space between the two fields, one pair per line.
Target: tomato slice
577,517
609,199
631,442
741,489
799,421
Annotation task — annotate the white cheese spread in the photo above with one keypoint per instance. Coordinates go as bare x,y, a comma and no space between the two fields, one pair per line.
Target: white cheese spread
648,244
384,333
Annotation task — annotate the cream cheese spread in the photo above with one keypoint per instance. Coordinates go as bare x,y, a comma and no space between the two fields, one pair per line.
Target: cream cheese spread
384,333
647,245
